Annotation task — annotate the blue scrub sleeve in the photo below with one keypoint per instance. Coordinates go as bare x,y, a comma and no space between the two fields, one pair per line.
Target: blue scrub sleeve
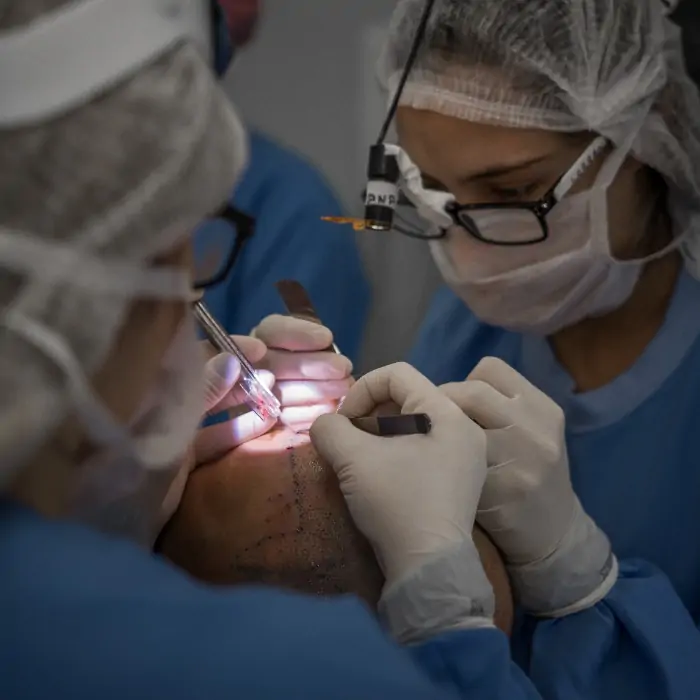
83,616
639,642
477,663
257,645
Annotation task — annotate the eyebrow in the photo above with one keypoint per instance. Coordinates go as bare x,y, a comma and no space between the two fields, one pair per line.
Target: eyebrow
495,171
506,169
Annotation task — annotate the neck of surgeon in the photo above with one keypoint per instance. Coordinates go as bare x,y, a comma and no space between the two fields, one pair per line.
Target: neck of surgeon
598,349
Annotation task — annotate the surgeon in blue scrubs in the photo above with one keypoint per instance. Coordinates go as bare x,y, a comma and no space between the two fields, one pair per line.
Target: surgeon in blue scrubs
287,197
559,148
553,149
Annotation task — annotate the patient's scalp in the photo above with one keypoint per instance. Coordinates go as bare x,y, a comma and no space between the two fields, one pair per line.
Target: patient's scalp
271,512
271,517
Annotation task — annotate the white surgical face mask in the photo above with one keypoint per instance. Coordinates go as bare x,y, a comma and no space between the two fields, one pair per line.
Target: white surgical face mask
120,489
543,287
124,485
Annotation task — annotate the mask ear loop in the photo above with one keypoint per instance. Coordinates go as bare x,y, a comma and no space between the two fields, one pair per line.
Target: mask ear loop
105,430
599,205
610,168
56,262
100,424
579,167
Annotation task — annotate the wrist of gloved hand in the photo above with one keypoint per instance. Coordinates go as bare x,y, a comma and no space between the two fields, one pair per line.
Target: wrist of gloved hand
448,591
575,576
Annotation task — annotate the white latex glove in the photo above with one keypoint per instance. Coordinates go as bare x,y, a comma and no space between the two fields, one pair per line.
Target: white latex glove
309,380
415,499
223,400
558,559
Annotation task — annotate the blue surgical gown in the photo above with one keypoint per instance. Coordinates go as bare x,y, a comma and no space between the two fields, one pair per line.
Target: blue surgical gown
287,198
86,617
634,456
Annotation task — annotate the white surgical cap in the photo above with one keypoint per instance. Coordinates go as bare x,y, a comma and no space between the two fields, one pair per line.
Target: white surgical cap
125,177
614,67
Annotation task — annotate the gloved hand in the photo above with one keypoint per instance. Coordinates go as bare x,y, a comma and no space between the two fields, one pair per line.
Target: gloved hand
414,498
558,559
309,380
240,425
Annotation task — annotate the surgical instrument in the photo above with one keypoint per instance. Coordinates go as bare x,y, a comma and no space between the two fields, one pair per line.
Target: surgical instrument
257,396
299,305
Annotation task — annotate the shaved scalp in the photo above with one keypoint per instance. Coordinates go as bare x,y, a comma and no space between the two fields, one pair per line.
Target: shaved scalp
276,518
271,513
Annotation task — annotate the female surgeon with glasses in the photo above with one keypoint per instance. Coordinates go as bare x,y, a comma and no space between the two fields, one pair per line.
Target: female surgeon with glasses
551,149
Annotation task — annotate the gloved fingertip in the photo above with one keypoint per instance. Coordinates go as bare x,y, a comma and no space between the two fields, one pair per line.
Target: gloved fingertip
321,422
322,427
347,365
225,367
320,336
334,367
255,349
487,366
451,390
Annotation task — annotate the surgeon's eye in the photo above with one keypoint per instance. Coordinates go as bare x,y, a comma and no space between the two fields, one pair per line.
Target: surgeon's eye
515,194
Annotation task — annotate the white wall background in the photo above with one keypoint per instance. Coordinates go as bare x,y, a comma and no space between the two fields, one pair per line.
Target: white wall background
308,81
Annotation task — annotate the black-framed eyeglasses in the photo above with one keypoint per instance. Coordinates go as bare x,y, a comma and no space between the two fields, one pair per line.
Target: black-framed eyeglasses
526,221
216,245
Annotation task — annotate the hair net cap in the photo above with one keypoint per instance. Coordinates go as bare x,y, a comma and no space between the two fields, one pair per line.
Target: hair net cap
615,68
121,179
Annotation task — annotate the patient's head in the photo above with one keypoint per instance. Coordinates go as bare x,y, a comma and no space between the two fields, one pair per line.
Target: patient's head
271,512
